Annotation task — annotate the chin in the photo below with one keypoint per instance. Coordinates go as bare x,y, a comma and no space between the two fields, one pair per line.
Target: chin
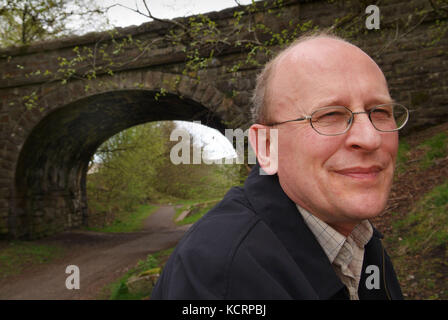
366,210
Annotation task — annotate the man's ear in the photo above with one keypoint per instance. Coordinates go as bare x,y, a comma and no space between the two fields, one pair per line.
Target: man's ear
264,141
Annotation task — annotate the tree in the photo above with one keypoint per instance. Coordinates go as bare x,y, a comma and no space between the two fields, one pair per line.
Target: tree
25,21
127,165
194,181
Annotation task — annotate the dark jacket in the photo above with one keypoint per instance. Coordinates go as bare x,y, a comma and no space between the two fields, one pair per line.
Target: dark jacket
254,244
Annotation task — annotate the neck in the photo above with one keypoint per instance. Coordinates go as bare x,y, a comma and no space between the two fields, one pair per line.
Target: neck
344,229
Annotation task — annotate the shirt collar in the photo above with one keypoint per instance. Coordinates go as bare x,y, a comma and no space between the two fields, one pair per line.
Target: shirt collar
332,241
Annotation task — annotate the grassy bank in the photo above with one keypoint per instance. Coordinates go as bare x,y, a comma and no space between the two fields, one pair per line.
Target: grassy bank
128,221
197,210
118,290
18,255
416,224
420,252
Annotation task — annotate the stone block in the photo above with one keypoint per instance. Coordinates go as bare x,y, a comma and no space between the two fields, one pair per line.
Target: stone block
152,80
4,213
8,174
5,192
4,227
200,90
186,87
129,80
60,202
242,98
4,119
169,82
50,214
216,100
4,203
76,88
5,183
225,105
38,213
209,93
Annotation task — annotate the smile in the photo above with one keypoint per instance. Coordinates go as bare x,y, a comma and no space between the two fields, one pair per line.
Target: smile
361,173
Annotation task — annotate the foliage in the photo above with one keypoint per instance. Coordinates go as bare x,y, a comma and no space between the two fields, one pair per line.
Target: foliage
118,289
127,165
25,21
134,167
196,181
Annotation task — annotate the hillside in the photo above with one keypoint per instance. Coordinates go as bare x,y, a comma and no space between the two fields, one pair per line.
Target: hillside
415,223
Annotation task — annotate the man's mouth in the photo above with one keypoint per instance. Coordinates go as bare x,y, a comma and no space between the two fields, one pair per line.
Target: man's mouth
361,173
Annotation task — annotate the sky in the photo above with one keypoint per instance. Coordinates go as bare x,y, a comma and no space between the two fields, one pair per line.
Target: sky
167,9
216,145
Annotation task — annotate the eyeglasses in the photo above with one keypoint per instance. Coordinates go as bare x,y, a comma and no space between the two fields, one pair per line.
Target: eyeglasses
337,120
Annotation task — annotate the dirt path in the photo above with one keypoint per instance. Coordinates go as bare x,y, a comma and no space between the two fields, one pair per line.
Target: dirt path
101,258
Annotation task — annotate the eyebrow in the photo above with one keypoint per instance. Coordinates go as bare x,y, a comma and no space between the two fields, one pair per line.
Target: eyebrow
338,102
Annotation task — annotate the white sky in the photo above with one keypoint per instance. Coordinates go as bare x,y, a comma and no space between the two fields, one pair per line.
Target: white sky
216,145
167,9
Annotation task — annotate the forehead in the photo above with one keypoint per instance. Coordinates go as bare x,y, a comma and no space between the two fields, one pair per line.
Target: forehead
322,72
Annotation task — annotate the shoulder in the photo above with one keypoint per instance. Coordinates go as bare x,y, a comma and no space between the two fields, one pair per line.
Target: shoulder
222,229
201,262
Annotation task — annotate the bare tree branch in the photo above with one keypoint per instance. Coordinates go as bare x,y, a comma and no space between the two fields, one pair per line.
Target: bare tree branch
149,14
443,10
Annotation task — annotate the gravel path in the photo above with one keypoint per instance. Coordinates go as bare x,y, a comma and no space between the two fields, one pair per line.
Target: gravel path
101,258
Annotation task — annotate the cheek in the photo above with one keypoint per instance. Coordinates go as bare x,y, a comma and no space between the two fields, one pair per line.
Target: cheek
392,146
306,150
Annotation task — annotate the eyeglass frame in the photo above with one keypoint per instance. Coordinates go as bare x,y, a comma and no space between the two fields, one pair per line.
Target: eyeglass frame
352,118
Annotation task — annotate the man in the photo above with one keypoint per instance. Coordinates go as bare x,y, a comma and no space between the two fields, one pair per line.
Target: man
301,231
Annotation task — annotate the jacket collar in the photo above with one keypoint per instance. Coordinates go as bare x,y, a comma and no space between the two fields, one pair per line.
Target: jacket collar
280,213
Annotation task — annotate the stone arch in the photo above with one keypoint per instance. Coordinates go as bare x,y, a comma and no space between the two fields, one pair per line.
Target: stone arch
53,147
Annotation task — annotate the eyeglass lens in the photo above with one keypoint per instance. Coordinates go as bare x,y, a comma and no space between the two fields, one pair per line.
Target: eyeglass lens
336,120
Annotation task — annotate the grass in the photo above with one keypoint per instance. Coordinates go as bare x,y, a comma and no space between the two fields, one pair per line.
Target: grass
17,255
128,221
432,149
435,148
422,235
403,156
118,290
427,225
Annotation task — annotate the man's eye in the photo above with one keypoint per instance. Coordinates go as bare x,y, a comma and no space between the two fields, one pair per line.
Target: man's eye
330,116
380,113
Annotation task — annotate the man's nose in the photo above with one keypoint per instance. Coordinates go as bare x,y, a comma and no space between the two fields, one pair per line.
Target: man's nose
362,134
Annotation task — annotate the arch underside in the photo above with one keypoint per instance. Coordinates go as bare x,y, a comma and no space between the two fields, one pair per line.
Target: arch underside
50,191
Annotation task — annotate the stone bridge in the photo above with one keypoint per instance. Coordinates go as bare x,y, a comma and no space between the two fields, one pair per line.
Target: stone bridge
51,124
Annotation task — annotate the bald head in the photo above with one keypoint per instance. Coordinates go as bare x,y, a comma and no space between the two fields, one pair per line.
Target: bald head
308,61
